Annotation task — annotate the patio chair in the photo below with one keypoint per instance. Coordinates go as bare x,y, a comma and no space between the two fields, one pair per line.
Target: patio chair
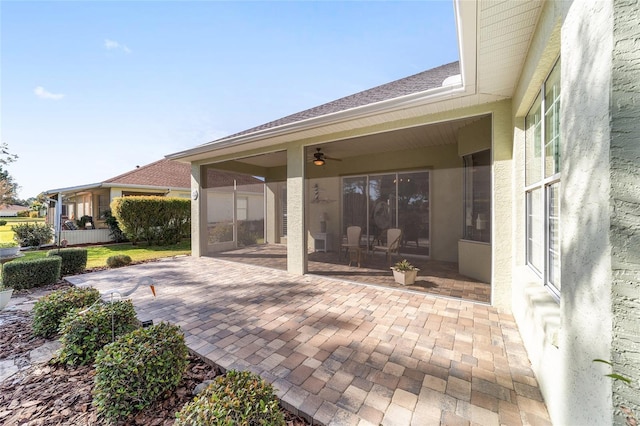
352,246
394,236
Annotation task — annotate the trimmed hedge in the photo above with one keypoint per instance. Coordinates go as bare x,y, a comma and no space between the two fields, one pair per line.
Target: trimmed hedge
49,310
158,220
133,371
84,335
74,260
238,398
31,273
118,260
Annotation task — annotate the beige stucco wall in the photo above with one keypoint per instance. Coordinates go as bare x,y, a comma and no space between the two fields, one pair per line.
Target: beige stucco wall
562,338
296,231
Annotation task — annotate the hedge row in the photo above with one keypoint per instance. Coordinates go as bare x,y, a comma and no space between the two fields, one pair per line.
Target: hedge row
74,260
49,310
31,273
158,220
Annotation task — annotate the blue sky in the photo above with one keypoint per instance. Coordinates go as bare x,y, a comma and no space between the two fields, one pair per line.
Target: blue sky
91,89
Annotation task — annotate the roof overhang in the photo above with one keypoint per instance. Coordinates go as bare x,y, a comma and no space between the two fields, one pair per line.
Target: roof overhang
499,32
108,185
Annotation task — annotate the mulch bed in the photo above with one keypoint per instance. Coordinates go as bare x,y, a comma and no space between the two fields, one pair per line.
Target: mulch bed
60,395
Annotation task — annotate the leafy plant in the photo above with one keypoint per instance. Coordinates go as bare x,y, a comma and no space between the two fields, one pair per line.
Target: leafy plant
84,333
404,265
118,260
32,235
74,260
31,273
237,398
137,368
3,222
49,310
115,232
631,419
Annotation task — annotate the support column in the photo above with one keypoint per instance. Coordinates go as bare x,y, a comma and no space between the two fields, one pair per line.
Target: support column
296,247
196,218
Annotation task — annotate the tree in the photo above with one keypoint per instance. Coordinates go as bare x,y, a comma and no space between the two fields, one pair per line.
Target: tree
8,188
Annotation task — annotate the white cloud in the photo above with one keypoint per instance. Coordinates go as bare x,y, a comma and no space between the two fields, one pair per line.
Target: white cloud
114,45
44,94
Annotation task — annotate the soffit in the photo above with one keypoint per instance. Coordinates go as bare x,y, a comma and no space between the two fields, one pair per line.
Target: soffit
505,30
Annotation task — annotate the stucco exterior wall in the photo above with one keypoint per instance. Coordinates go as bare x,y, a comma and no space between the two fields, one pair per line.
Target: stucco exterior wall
198,222
586,45
625,203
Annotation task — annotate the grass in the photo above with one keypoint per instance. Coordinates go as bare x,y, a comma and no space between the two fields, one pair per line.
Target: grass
6,234
97,255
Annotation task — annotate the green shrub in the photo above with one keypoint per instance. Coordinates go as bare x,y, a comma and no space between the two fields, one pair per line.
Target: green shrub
23,213
33,215
74,260
3,222
158,220
118,260
115,233
31,273
137,368
238,398
83,335
32,235
49,310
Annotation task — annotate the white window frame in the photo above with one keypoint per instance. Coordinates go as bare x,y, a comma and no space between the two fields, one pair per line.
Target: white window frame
544,183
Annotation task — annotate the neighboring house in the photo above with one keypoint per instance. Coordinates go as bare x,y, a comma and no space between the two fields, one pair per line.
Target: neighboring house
161,178
522,164
11,210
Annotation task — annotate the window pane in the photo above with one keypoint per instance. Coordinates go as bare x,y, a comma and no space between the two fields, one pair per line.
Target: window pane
535,229
552,123
553,252
477,181
354,203
382,206
413,212
533,144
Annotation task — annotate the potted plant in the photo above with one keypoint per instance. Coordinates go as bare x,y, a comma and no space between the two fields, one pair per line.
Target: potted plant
404,272
9,249
5,295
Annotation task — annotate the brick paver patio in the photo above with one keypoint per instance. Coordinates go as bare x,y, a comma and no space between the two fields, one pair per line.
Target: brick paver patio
341,353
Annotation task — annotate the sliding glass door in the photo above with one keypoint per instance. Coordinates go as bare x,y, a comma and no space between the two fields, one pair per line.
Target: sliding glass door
391,200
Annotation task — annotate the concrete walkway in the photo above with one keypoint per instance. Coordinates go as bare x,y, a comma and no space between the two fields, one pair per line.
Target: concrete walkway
340,353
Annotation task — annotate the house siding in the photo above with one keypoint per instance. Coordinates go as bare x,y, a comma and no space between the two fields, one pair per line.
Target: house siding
625,204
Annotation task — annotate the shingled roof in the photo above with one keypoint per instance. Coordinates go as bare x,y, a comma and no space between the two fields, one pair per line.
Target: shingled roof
416,83
162,173
173,174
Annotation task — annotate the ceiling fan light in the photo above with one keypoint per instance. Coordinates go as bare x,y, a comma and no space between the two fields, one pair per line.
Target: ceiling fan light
318,162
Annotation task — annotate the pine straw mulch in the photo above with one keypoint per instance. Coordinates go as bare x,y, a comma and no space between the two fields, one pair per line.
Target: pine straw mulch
59,395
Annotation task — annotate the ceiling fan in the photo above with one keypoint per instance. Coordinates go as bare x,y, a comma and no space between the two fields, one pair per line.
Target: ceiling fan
319,157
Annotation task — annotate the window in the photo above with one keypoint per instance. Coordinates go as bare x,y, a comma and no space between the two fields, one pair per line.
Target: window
103,205
477,196
242,207
542,182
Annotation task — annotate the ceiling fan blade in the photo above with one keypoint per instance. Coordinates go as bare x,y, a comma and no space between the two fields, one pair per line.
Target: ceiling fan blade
332,158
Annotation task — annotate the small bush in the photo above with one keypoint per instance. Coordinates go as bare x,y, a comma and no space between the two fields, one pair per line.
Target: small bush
84,335
137,368
33,215
74,260
31,273
3,222
32,235
118,260
23,213
49,311
237,398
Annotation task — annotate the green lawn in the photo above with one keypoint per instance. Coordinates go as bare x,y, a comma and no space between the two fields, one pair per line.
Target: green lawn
6,234
97,255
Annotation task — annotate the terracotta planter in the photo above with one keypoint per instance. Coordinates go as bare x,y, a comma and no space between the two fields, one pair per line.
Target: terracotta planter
5,296
405,277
